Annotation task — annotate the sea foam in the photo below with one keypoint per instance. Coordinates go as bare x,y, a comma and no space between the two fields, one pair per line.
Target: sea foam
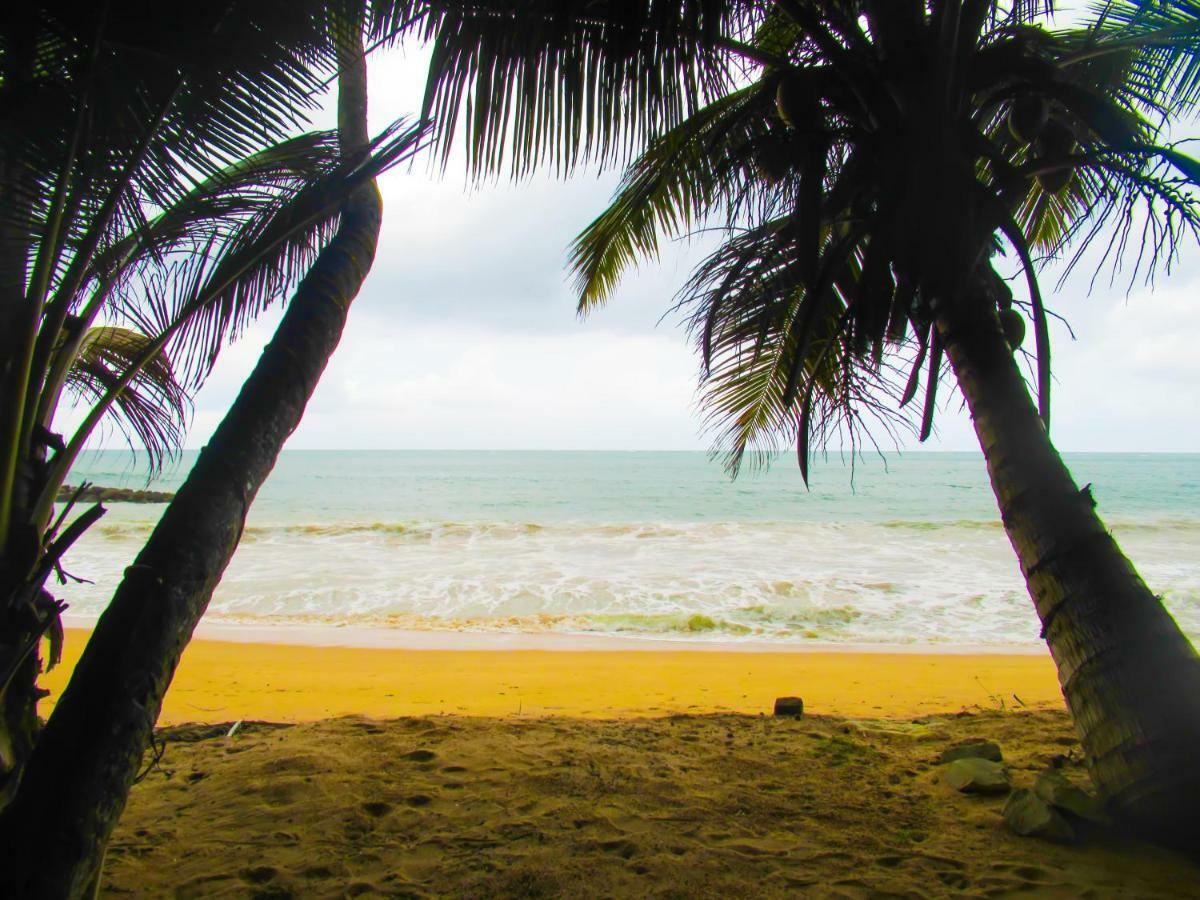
653,545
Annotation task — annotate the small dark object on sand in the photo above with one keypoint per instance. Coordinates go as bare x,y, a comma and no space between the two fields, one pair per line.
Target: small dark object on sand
789,706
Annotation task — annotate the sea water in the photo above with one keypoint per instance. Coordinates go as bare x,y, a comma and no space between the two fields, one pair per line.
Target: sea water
650,544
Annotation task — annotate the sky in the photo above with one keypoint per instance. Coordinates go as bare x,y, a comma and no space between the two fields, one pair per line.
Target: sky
465,334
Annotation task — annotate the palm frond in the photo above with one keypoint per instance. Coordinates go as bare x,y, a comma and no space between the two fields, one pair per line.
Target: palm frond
152,407
215,207
169,95
780,363
562,82
202,300
684,176
193,306
1158,41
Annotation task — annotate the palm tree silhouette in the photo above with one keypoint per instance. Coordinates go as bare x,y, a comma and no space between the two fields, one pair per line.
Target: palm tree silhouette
865,163
184,212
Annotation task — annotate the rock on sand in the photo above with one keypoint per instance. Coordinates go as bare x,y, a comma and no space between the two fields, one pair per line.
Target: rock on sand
1028,814
789,706
976,776
1054,789
975,749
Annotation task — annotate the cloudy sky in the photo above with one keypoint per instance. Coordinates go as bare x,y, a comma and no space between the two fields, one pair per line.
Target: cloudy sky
465,334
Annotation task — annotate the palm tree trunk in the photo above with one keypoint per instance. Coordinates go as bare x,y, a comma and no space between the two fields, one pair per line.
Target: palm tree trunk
1130,677
52,837
18,704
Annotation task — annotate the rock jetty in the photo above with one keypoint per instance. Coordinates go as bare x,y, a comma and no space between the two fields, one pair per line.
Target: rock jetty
93,493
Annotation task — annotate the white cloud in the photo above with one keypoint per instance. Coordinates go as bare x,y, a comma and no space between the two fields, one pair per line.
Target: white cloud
440,386
465,334
1132,380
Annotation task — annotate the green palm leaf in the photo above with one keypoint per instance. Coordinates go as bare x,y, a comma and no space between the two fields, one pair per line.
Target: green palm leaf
548,81
191,307
170,93
681,178
152,407
1155,43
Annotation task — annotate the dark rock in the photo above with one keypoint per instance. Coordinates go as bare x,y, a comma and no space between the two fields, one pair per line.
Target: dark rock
1057,791
1029,815
789,706
976,749
976,776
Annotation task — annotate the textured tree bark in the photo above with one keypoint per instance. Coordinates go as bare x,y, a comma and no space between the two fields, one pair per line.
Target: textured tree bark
53,836
1130,677
18,705
20,590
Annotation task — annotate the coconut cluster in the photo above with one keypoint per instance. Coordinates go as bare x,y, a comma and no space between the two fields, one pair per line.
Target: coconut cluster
1031,123
775,153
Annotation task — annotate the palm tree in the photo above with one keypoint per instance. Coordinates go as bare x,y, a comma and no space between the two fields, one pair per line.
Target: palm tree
868,161
151,203
114,696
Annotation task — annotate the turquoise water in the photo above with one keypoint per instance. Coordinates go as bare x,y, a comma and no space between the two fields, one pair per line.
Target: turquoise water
651,544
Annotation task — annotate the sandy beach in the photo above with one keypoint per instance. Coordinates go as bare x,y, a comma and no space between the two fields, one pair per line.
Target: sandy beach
227,680
601,773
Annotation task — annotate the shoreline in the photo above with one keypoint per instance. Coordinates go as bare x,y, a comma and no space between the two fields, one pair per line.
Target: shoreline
382,637
230,680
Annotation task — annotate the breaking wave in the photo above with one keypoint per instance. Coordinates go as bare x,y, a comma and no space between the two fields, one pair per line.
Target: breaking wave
893,581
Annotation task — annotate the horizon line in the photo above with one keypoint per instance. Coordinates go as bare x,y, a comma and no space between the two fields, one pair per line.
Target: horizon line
832,453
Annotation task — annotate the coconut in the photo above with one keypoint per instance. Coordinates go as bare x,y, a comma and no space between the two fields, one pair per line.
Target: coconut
1012,186
1013,326
792,101
1053,181
1056,140
1055,144
1027,118
771,161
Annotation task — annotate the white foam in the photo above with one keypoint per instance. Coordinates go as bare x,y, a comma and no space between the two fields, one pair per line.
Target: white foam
890,582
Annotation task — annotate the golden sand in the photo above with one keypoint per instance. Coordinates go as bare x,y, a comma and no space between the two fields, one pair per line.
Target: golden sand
226,680
432,773
682,807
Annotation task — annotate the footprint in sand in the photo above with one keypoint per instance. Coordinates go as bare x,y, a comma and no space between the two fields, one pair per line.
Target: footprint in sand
1024,873
377,808
258,874
420,756
621,847
955,880
322,872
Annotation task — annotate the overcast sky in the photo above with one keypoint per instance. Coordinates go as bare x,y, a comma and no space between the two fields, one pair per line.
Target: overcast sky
465,334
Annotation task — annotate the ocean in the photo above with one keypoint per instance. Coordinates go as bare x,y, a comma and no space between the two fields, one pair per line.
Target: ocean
648,544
